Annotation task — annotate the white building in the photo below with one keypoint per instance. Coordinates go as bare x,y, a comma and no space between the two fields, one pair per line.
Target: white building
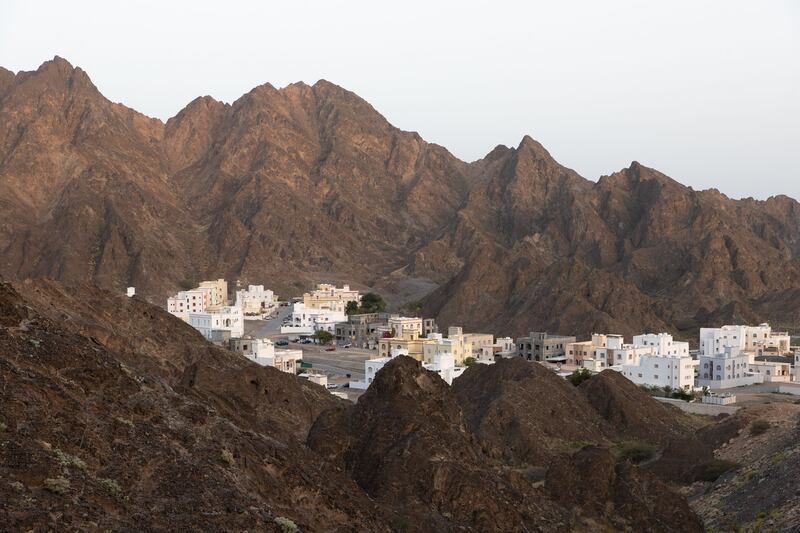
607,351
263,352
131,292
728,356
774,369
756,339
662,371
255,300
307,320
442,362
319,379
663,343
796,367
655,360
399,325
222,324
727,369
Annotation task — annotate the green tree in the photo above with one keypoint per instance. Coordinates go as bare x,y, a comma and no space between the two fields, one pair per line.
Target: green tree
469,361
372,303
351,308
579,376
323,337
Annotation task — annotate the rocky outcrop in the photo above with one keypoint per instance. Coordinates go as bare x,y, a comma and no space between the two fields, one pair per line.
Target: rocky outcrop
594,481
526,412
406,445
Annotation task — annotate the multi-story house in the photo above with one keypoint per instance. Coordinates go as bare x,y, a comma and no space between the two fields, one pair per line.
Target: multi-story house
540,346
363,330
331,298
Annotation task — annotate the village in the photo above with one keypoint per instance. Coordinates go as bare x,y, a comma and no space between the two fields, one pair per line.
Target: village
340,339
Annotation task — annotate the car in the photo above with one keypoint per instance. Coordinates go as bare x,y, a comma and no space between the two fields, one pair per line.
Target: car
282,343
332,386
330,349
348,345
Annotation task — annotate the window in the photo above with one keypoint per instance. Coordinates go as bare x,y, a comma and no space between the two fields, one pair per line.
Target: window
655,377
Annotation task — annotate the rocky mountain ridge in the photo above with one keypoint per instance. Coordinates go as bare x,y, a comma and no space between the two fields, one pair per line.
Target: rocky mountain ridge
310,183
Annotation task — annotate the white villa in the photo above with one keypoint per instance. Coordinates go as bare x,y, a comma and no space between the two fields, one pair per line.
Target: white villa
756,339
307,320
263,352
442,362
667,365
223,323
255,300
728,356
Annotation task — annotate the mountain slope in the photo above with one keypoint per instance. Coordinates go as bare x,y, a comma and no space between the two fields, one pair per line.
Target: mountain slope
310,183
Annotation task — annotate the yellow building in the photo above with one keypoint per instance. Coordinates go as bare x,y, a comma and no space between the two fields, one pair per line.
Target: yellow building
410,341
330,297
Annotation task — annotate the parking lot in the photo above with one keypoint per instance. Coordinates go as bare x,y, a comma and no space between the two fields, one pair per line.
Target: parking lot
340,365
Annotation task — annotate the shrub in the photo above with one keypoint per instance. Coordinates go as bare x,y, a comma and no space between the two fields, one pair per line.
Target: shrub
758,427
681,394
3,427
713,469
66,459
286,525
227,457
469,361
59,485
17,486
109,485
579,376
636,452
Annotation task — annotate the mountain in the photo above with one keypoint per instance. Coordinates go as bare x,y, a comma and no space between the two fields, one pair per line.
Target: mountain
310,183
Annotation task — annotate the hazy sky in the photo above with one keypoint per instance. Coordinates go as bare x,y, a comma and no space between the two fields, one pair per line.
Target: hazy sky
707,92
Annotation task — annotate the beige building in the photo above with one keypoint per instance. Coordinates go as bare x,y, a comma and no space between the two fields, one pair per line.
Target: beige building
219,292
456,344
480,342
329,297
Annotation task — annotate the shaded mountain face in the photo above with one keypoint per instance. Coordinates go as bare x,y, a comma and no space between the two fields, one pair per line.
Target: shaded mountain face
308,183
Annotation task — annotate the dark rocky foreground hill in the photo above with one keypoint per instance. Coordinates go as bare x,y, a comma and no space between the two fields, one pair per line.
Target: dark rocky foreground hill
115,415
310,183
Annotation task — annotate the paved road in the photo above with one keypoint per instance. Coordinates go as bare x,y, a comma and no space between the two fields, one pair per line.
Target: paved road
267,328
339,363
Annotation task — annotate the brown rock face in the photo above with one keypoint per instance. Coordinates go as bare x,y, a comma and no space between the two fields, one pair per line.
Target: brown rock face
298,184
406,445
617,492
526,412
